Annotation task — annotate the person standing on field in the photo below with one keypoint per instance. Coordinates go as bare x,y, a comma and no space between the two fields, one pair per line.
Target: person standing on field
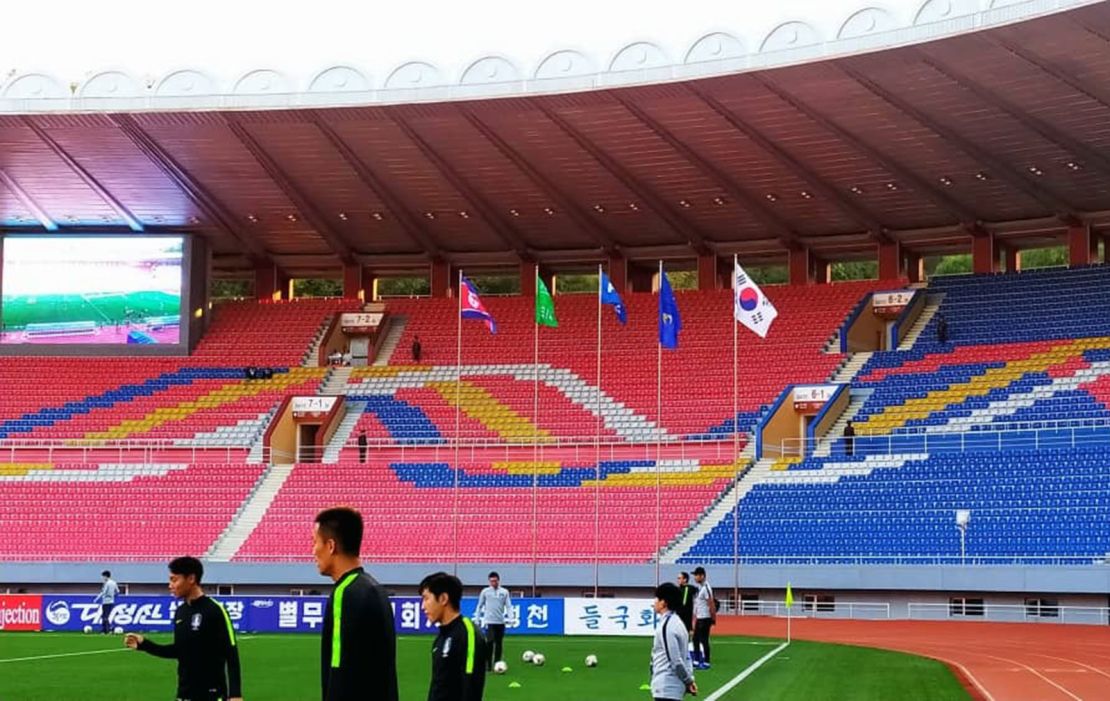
705,615
495,610
459,649
358,645
107,598
204,642
672,675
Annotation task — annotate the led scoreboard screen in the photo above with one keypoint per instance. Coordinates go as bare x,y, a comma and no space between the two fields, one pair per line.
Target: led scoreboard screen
91,289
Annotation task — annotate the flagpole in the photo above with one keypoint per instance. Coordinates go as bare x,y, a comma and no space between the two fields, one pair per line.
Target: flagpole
735,444
535,425
597,446
659,433
458,421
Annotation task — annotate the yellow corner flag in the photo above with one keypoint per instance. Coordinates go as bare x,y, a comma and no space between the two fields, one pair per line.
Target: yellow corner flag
789,596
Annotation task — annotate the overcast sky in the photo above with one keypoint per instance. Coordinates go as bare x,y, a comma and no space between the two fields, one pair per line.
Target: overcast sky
72,39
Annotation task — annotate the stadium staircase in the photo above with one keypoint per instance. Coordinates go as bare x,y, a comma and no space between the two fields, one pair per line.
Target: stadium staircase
335,381
250,513
392,339
932,306
343,432
750,472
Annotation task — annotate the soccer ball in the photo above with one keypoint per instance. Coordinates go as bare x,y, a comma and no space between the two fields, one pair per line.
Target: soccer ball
118,630
528,655
538,659
88,629
500,667
591,660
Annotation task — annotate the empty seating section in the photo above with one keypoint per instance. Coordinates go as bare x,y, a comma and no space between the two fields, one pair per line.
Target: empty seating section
203,399
118,511
807,318
1009,419
410,509
1038,504
265,334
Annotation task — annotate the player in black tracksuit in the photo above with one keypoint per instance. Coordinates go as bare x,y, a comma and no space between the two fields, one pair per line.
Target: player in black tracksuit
358,650
685,609
360,661
203,640
459,651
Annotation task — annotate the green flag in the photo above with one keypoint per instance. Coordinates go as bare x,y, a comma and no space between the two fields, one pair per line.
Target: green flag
545,305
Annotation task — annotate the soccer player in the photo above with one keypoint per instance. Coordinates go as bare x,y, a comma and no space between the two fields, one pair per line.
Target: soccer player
107,598
459,649
672,675
203,640
495,609
358,650
705,615
686,604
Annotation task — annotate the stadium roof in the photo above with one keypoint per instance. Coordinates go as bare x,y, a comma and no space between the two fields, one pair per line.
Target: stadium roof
1003,130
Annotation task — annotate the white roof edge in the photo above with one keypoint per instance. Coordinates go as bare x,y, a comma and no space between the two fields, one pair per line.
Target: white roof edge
872,28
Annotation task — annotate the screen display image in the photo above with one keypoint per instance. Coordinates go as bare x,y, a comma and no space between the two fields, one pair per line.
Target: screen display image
101,290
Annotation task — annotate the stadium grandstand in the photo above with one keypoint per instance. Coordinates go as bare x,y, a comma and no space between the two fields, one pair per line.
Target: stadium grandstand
902,444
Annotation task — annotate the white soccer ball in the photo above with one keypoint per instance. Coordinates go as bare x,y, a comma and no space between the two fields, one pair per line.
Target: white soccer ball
118,630
528,655
88,629
591,660
500,667
538,659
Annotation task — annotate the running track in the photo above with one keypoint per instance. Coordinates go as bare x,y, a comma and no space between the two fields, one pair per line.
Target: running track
995,661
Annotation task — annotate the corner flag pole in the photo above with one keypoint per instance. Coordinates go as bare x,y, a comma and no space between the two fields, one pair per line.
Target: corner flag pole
735,444
659,435
597,446
535,427
458,423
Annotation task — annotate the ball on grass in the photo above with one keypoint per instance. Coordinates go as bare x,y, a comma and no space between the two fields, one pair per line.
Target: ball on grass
88,629
528,655
538,659
500,667
591,660
118,630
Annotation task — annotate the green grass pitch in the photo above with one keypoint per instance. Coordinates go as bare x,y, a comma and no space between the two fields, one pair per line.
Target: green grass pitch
286,668
23,310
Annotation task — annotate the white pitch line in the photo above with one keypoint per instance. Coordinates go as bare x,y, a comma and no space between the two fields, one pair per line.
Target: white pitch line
745,674
63,654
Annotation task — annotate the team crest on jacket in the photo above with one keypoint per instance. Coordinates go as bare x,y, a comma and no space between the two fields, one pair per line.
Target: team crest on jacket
195,622
447,647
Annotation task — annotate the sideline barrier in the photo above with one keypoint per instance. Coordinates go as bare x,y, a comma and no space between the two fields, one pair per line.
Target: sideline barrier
271,614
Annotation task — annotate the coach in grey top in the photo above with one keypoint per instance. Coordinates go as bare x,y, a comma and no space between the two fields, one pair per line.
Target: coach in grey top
672,676
107,598
495,610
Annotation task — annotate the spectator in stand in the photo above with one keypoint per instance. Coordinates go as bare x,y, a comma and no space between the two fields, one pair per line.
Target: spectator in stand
849,439
942,329
249,373
362,447
417,349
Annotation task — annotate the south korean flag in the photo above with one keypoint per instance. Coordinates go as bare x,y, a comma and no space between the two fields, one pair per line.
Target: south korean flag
750,306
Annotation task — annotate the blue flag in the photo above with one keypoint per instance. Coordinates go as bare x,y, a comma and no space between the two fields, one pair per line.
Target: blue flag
669,321
609,295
